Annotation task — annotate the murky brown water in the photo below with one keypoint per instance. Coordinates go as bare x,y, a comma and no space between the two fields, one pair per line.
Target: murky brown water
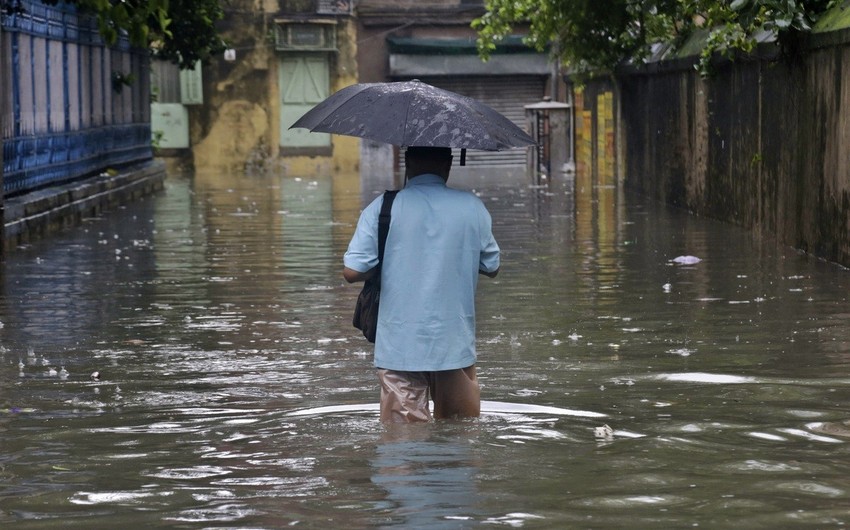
217,318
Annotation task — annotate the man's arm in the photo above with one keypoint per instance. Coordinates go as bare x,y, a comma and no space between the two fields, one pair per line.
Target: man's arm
490,253
489,274
352,276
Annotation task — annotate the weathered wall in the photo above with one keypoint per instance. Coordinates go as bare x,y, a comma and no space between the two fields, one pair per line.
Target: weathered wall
40,213
232,126
238,126
346,149
595,132
764,144
378,19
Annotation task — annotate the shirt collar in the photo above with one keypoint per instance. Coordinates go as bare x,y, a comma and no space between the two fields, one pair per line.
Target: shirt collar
424,179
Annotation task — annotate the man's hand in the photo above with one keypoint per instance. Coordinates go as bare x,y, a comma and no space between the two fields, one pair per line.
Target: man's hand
352,276
489,274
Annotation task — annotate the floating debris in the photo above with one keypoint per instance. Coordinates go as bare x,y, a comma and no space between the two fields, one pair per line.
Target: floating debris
18,410
603,433
686,260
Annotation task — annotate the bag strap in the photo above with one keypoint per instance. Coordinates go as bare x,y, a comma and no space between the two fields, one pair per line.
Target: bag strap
384,222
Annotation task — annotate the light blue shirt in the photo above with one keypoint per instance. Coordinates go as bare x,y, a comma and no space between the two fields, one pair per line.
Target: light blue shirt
439,239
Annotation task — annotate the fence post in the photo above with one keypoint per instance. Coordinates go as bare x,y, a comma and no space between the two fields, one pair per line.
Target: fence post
3,89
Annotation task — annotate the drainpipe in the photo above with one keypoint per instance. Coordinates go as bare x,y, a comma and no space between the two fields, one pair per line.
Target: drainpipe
571,123
2,129
555,73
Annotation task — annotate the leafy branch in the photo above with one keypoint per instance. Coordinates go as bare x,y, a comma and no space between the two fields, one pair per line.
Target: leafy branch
181,31
590,35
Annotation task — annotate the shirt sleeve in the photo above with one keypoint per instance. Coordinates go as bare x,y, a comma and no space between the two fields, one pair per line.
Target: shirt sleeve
362,253
490,253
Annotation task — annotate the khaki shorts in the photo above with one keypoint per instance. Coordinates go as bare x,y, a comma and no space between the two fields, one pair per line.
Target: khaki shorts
404,395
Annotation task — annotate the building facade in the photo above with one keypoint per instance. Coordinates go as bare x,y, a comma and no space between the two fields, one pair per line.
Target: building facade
288,55
433,41
234,113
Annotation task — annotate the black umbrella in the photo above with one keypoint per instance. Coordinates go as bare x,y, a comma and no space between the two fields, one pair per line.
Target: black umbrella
413,113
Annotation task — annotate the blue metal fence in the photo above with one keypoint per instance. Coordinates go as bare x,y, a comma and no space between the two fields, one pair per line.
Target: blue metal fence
65,111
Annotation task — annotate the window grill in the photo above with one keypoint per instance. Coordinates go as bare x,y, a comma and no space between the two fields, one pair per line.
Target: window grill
304,36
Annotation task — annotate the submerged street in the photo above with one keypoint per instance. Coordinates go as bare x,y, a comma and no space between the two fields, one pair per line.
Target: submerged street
622,387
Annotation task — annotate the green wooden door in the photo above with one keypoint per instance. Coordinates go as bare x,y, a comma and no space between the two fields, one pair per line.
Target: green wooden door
304,82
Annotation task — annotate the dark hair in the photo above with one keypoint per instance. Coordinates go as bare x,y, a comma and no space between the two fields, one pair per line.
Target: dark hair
429,153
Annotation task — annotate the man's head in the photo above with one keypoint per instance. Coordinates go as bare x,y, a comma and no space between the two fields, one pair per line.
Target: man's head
421,160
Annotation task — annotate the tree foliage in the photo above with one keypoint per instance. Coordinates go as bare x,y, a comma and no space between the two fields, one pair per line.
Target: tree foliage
181,31
600,35
194,35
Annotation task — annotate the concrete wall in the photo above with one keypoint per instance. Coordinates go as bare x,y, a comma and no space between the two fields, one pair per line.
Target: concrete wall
378,19
39,213
764,144
596,133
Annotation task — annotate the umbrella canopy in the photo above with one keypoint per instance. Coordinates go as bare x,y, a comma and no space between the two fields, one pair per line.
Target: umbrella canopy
413,113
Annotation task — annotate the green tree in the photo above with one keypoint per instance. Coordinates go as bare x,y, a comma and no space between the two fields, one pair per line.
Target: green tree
740,24
181,31
592,35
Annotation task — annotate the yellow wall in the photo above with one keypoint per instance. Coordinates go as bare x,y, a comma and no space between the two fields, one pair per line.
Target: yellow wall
238,126
346,149
595,137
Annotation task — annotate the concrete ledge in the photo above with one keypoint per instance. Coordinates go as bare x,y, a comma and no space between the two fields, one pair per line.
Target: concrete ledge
40,213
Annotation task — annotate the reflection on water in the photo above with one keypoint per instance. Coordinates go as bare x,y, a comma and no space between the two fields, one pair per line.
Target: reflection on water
430,481
622,388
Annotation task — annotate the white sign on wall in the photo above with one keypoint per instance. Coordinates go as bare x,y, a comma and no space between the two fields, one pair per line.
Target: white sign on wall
170,122
192,86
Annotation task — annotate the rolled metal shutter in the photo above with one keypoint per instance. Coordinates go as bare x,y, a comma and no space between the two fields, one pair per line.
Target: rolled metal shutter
508,95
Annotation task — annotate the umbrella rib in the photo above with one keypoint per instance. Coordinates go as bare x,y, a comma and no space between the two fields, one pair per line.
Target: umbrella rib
354,94
405,122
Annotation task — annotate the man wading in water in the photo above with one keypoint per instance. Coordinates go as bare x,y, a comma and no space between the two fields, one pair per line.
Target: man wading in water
440,240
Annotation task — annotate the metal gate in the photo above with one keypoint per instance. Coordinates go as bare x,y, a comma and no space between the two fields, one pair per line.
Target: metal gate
508,95
70,106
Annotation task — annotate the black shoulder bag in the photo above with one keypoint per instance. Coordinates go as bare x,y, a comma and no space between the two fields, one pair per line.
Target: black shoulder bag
366,310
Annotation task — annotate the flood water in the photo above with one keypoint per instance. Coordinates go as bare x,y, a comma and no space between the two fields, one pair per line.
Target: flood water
622,389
